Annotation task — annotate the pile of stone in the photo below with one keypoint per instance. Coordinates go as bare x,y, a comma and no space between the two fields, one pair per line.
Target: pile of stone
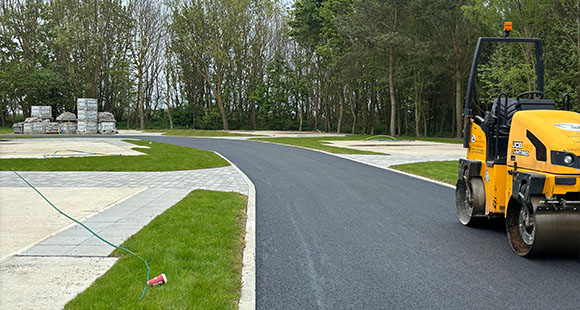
39,122
18,128
67,117
51,128
34,125
90,121
43,112
87,116
67,123
106,123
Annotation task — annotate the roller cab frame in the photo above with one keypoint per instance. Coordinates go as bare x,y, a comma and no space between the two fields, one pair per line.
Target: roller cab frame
523,165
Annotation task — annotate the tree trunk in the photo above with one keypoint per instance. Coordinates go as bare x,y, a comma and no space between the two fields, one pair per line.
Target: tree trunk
340,109
458,105
417,102
424,124
352,111
391,84
219,101
373,106
140,97
327,115
392,94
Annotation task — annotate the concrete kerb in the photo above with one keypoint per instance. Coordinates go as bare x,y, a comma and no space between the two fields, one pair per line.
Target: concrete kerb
362,162
248,296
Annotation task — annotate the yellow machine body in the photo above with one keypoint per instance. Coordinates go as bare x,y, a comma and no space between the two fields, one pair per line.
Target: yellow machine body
556,130
523,163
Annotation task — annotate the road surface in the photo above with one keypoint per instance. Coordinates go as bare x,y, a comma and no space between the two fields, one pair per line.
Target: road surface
336,234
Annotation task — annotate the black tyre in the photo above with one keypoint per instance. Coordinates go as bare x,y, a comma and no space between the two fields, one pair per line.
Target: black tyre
520,228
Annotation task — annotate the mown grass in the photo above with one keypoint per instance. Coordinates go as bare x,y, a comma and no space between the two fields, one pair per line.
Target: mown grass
197,244
319,143
4,131
200,133
445,171
159,157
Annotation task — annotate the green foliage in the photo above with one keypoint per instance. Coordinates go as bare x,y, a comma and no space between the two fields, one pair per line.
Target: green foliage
360,65
197,244
506,71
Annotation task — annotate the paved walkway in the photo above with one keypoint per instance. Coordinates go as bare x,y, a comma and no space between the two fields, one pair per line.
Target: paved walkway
385,161
117,223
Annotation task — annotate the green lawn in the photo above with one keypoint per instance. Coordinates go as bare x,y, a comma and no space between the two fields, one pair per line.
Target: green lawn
4,131
160,157
319,143
445,171
200,133
197,244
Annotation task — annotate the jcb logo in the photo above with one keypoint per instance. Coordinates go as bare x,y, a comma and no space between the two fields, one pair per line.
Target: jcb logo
517,145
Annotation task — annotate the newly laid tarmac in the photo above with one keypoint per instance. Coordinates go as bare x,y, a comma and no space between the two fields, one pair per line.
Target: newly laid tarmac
335,234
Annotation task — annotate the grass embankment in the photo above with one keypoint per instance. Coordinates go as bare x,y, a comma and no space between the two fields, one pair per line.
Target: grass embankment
319,143
160,157
445,171
197,244
201,133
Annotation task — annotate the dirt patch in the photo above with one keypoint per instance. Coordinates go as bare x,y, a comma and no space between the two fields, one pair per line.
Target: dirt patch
26,219
69,147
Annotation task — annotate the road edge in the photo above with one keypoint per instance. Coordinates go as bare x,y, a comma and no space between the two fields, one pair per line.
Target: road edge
248,295
365,163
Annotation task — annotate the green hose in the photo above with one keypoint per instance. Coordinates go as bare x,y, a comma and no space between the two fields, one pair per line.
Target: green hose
92,232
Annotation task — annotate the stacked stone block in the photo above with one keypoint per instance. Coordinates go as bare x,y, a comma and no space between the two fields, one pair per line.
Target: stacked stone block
87,116
107,123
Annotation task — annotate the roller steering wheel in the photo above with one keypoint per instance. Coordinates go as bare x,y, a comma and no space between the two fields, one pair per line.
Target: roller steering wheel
530,93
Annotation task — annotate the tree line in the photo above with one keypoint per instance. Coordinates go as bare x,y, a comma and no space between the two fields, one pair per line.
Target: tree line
359,66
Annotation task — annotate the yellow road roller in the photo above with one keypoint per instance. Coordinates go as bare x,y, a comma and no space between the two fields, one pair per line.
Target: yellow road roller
523,164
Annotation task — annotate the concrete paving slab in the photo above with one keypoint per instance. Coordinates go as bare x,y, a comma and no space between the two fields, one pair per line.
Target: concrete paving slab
116,223
425,149
66,240
63,147
91,251
382,161
49,250
26,219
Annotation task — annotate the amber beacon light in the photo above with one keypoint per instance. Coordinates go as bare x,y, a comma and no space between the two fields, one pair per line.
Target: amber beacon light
507,27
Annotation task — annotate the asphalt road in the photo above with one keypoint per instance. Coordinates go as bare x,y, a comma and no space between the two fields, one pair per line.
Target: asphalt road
335,234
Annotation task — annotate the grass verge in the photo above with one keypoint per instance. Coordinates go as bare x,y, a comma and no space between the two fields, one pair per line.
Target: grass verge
197,243
445,171
319,143
200,133
160,157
